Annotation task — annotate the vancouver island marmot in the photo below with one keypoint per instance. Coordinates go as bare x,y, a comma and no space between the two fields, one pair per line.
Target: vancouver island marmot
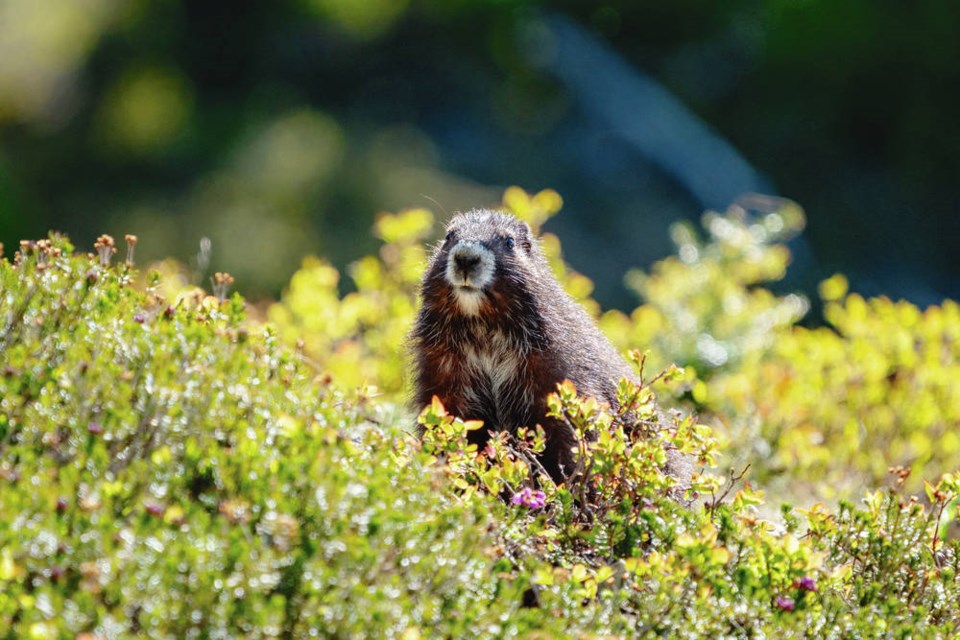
496,333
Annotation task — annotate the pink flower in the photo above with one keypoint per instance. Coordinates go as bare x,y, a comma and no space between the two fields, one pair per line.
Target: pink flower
530,498
784,603
806,583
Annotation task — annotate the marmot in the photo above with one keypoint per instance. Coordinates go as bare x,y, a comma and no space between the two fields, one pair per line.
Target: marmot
496,332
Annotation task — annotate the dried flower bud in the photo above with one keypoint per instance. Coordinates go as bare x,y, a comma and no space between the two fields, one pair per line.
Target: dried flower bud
221,284
131,245
105,249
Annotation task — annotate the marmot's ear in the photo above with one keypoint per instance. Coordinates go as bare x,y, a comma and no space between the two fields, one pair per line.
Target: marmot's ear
527,240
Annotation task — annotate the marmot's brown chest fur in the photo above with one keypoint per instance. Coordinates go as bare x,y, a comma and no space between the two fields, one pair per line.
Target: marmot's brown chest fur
496,333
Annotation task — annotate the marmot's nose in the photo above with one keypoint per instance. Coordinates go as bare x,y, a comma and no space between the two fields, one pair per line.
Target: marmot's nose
465,263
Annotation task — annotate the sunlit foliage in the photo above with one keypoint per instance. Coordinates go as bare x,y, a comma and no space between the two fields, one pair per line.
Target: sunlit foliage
170,468
166,469
818,413
628,559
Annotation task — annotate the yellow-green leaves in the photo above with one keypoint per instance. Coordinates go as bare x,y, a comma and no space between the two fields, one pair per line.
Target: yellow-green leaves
533,209
411,225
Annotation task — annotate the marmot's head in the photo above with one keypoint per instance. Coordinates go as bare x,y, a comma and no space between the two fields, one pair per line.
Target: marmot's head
484,258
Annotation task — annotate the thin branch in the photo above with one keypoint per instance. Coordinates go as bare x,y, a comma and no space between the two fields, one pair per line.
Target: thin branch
732,480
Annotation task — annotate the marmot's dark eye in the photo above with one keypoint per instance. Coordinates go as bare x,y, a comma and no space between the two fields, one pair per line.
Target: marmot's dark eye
509,242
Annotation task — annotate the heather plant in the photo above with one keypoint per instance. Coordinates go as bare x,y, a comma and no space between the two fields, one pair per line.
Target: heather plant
627,555
171,468
167,470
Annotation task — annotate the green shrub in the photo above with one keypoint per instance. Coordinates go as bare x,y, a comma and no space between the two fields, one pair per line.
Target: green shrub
877,389
168,471
170,468
625,557
821,412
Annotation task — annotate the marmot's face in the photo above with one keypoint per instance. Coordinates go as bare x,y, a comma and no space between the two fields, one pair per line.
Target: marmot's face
479,247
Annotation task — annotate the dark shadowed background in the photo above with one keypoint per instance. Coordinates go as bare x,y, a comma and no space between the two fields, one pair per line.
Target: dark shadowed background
279,129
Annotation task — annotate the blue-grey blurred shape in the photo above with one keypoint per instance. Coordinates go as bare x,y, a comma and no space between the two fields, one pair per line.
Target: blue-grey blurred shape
645,114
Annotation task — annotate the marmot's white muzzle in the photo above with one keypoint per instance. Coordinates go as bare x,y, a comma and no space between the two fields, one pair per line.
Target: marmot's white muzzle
471,265
470,268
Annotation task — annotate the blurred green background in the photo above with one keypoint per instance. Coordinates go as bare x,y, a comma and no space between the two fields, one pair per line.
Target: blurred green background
280,129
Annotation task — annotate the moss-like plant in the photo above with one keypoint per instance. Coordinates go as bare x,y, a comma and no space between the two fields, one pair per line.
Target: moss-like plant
168,471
